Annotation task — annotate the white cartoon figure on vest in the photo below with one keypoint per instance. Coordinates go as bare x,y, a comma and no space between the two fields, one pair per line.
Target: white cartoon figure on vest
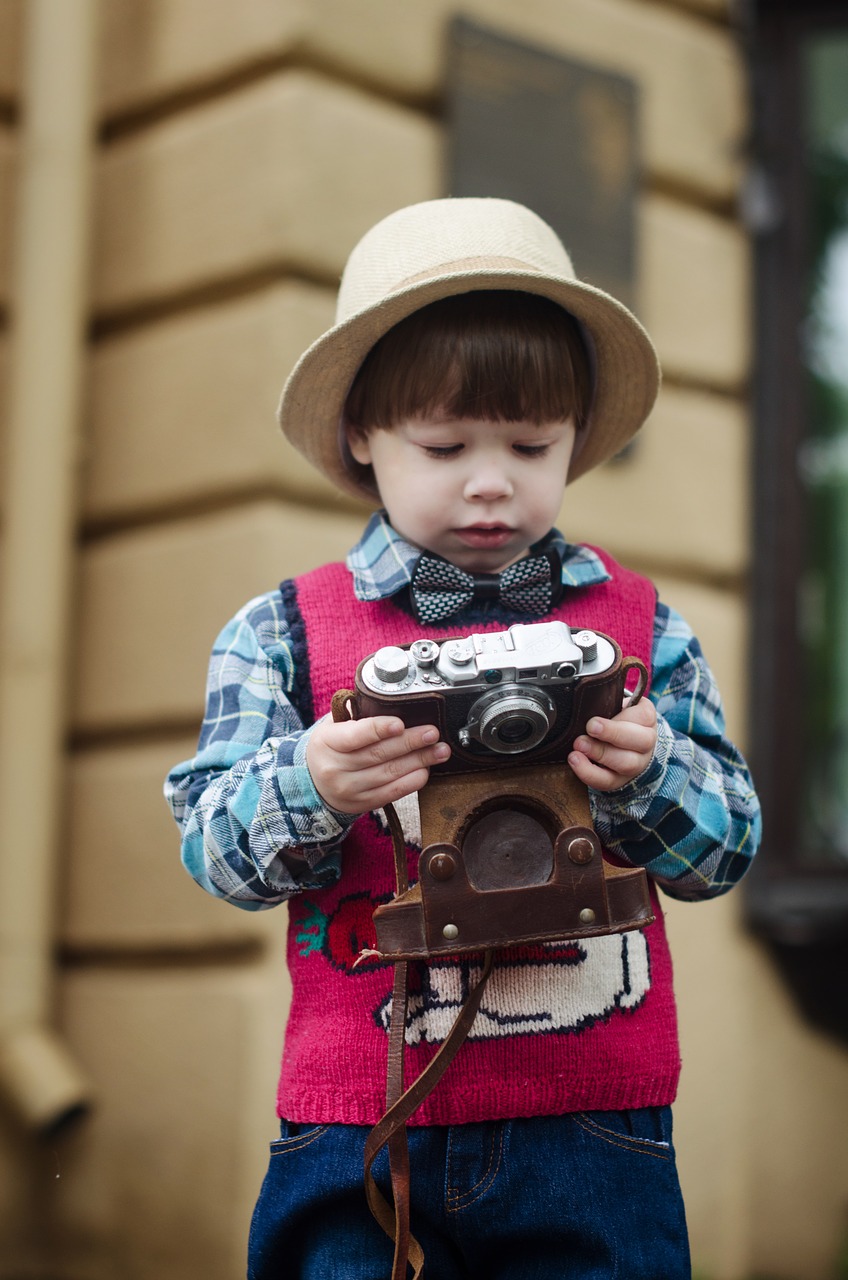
554,987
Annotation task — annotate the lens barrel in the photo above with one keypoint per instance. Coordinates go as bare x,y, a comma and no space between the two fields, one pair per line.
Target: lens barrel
511,719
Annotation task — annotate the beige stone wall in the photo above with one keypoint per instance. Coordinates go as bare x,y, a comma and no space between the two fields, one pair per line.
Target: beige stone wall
15,1178
9,44
245,148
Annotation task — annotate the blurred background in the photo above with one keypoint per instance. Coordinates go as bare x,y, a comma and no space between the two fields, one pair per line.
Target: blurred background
180,183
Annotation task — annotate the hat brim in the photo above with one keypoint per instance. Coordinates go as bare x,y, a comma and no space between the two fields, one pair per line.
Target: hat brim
626,371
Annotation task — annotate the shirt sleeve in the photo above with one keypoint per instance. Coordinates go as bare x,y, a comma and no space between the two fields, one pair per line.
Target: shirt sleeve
254,829
692,819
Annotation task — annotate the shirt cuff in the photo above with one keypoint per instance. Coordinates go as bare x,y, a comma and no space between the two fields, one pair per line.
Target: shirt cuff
317,823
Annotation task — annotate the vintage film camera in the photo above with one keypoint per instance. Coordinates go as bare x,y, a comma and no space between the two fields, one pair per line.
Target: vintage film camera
509,854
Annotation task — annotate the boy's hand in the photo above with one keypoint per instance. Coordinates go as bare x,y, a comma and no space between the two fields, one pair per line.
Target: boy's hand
613,752
358,765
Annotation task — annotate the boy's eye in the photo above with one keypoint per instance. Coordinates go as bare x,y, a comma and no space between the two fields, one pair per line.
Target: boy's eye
442,450
531,450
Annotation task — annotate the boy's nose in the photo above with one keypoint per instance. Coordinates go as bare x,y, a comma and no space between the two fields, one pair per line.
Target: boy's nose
488,484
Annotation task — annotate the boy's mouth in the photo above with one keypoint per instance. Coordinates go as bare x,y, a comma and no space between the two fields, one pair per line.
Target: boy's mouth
485,535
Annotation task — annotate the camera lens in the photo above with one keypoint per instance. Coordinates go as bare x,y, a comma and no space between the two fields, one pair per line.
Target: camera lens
510,719
514,730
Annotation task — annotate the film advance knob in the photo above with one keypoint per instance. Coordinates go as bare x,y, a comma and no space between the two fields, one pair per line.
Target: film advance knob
391,664
587,642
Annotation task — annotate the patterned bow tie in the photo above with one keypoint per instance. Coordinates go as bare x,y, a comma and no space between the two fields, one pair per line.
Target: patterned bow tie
439,589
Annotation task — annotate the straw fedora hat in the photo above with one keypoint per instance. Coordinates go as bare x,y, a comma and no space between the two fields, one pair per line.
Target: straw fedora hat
444,247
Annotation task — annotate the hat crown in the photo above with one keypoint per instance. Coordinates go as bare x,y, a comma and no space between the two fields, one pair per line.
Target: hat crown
447,236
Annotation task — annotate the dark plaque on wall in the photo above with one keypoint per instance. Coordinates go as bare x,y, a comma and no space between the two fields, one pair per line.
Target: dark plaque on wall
558,135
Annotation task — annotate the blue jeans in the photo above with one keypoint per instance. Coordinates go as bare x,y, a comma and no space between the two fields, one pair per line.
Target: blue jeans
594,1194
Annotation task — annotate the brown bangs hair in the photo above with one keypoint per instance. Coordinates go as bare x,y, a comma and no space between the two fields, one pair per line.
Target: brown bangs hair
497,354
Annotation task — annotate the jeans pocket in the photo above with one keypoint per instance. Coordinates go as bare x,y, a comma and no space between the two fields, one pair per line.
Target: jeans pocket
641,1129
294,1137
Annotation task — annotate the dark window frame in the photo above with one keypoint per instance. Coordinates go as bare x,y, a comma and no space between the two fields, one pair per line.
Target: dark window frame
795,905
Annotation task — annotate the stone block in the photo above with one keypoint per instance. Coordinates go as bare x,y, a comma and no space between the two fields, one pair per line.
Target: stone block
123,885
797,1202
720,9
7,203
154,49
690,463
11,48
286,174
690,74
159,1183
151,49
721,620
27,1180
4,418
4,385
717,1043
746,1046
151,603
695,293
184,409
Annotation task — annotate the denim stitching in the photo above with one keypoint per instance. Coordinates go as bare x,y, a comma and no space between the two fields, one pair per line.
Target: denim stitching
455,1196
281,1146
653,1142
642,1145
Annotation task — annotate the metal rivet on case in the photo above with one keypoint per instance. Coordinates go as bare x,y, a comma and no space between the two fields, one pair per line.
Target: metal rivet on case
442,866
587,916
581,849
451,932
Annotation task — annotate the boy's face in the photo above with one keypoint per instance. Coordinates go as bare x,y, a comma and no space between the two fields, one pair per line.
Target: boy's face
477,493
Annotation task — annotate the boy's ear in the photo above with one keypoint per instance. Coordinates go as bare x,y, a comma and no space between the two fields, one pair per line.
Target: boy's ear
357,442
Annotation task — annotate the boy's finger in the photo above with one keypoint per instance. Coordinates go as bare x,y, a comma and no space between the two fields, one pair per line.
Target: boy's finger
389,792
614,756
418,743
605,777
378,733
391,767
593,775
379,785
642,712
614,760
619,733
390,758
379,728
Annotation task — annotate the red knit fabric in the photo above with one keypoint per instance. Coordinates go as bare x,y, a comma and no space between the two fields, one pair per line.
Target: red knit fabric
564,1027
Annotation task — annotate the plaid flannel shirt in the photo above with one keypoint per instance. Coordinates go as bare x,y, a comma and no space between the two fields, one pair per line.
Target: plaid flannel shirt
255,831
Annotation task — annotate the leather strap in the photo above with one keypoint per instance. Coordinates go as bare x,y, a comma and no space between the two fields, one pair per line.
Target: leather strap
394,1222
393,1123
390,1131
405,1243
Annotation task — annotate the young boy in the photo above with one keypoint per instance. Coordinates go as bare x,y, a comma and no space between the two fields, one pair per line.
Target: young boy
469,377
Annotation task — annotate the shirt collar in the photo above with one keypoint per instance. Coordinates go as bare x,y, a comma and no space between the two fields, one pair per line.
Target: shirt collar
382,562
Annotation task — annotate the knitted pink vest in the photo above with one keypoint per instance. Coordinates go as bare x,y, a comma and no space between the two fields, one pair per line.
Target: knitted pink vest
569,1026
